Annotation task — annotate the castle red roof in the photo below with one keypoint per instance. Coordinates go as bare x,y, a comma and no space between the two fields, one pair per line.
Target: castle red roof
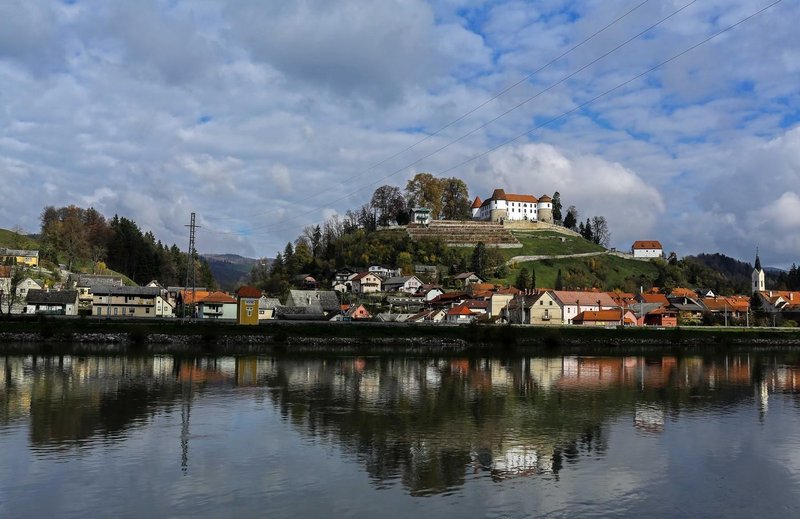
477,203
545,198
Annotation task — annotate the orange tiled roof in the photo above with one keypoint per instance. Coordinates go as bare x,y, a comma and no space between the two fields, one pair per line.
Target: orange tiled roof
477,203
216,297
682,292
655,298
459,310
186,296
249,292
647,244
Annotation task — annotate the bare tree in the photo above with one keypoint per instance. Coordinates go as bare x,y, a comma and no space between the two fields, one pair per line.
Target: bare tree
600,233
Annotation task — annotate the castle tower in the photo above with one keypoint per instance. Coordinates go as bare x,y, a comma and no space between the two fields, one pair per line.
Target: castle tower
758,284
545,209
498,208
476,207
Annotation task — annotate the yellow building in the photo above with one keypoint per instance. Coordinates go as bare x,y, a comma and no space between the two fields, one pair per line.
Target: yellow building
29,258
247,305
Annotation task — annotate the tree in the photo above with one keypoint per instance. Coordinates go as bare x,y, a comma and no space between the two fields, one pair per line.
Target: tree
455,199
557,207
389,202
533,278
523,279
18,275
425,190
571,219
600,233
480,258
587,230
559,281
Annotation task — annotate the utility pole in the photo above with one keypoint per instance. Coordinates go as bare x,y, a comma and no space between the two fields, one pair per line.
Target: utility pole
190,271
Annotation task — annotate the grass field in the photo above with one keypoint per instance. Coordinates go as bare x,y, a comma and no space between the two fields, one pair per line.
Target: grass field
536,243
7,239
604,272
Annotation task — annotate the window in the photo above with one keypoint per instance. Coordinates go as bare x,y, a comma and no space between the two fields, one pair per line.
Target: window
130,310
541,303
115,311
146,310
99,311
249,311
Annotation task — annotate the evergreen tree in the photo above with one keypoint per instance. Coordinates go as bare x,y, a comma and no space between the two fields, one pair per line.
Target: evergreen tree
533,278
523,279
559,281
557,207
480,259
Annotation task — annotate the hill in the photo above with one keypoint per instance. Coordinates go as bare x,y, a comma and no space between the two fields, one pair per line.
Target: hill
230,270
605,272
12,240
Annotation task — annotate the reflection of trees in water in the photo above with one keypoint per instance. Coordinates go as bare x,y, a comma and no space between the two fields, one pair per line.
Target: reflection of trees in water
429,422
70,399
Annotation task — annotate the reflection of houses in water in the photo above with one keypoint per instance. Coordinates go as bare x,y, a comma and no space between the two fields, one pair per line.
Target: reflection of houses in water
649,417
520,461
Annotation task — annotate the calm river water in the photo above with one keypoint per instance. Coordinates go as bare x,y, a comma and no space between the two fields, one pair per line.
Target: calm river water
400,437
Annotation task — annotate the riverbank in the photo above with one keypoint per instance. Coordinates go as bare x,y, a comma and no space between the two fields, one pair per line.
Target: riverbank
95,336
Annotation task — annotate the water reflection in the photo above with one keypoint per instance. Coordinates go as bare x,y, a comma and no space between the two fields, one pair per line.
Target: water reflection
429,424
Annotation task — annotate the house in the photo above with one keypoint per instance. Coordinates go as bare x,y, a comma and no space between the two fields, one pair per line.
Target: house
421,215
28,258
502,206
498,301
343,274
325,300
407,284
340,287
647,249
216,305
615,317
248,300
574,302
449,299
545,310
353,313
429,292
53,302
305,281
266,307
383,272
661,316
112,301
690,311
465,279
650,297
428,316
427,272
460,314
25,286
365,283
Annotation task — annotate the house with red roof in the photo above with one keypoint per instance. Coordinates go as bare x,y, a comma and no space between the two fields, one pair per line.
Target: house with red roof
460,314
217,305
647,249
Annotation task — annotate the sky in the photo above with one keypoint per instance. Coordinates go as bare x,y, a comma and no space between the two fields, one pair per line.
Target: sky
263,117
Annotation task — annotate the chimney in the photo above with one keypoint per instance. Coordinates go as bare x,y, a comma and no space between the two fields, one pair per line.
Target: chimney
770,293
791,296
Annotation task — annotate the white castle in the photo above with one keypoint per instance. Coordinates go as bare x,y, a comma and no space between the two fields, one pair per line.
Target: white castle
502,206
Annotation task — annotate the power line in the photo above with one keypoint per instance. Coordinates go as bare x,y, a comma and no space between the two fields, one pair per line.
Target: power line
474,130
603,94
481,105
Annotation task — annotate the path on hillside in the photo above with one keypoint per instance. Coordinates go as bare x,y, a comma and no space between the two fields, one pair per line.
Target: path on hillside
521,259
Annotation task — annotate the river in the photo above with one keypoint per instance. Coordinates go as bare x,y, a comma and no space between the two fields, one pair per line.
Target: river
388,436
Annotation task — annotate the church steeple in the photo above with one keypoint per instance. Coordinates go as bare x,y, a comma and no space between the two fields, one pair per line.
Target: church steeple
757,278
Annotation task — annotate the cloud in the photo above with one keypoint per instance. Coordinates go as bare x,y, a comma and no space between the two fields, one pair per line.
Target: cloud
29,36
377,49
595,186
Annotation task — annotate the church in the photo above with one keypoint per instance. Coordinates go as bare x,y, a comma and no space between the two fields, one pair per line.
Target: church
502,206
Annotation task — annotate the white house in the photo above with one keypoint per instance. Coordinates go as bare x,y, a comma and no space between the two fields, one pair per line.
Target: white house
573,303
365,283
407,284
216,305
647,249
460,314
59,302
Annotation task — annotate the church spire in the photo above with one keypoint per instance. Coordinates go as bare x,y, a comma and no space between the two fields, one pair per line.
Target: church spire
758,261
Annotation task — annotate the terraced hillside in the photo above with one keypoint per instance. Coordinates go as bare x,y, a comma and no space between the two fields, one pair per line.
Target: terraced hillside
465,234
